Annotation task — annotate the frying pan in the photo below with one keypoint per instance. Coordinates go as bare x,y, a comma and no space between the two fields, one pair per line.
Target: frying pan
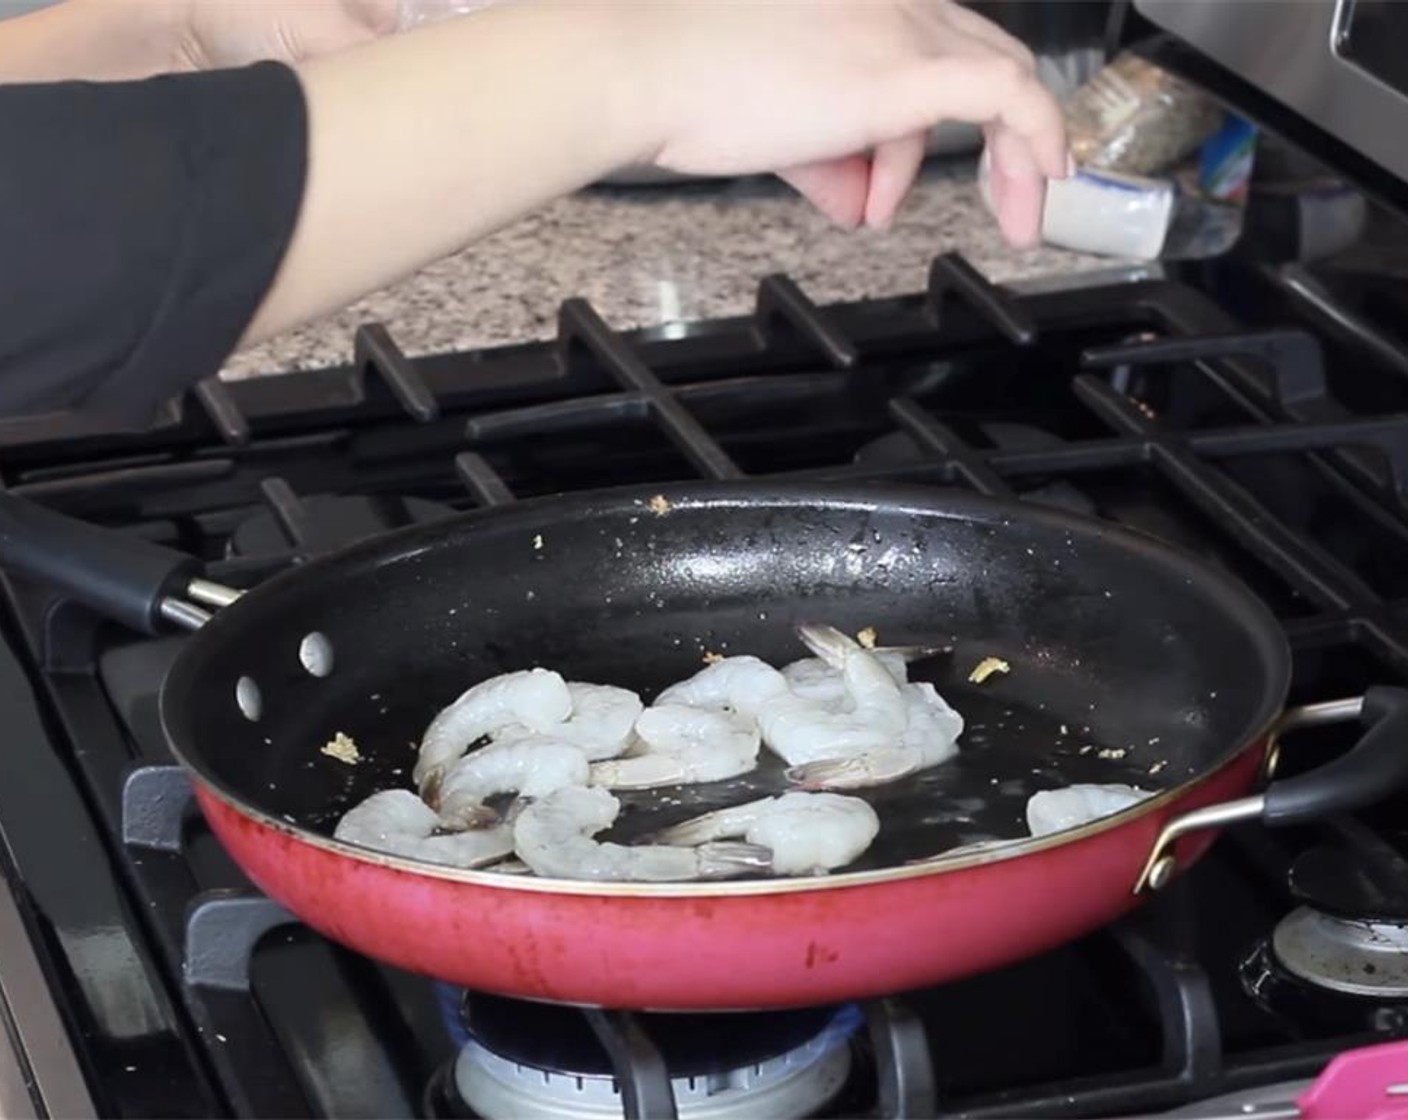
1130,661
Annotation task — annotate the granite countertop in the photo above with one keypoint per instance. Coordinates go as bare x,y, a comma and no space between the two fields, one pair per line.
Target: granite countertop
652,254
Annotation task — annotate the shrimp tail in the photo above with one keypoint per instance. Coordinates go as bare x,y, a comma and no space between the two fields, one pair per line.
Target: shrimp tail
727,859
732,821
643,771
428,786
827,642
833,646
911,654
872,768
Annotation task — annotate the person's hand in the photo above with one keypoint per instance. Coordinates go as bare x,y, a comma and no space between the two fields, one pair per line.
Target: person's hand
503,112
105,40
219,33
839,96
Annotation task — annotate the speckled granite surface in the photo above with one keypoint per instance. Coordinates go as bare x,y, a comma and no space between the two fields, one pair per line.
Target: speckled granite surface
648,255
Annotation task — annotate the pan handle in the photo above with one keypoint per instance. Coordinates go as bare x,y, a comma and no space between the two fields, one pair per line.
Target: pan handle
128,580
1370,770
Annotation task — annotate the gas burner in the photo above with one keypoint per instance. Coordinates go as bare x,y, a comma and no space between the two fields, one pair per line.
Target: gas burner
1309,1005
1351,932
1341,957
535,1060
325,522
1358,957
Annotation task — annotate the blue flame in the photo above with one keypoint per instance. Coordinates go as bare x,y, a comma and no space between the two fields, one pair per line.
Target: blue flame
847,1021
451,1000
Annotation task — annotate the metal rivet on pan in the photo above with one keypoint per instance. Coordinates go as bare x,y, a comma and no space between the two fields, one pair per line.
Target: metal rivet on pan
248,698
315,651
1161,873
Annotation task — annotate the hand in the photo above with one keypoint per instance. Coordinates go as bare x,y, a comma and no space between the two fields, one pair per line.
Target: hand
839,96
529,100
220,33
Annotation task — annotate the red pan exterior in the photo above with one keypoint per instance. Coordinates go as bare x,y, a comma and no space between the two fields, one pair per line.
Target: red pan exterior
726,952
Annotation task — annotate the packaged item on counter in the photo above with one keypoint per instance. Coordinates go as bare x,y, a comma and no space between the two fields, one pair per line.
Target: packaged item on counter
1213,188
1135,118
1101,212
1161,171
1108,213
1225,160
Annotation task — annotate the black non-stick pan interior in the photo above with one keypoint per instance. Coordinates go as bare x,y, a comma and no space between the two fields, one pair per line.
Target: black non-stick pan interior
1129,662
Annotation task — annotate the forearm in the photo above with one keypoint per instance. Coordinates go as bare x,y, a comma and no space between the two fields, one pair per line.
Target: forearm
98,40
422,144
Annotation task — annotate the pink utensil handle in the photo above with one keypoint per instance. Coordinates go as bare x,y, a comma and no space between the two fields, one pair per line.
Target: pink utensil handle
1366,1084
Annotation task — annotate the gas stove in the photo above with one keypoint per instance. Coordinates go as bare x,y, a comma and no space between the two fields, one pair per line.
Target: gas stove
1253,410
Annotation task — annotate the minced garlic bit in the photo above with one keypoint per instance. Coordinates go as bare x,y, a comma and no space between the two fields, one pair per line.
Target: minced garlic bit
538,542
1112,752
660,505
342,748
712,658
868,637
1158,766
986,668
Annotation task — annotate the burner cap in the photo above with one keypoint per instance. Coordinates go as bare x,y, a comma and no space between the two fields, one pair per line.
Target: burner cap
1306,1006
1358,957
327,522
556,1038
794,1085
537,1060
1368,883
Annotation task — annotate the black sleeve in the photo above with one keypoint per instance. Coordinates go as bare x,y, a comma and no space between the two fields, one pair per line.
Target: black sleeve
141,224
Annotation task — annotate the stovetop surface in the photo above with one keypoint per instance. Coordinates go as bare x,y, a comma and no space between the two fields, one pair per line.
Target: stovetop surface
1257,416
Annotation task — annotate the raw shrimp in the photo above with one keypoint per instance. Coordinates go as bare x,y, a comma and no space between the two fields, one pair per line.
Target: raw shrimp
680,744
534,698
398,822
1055,810
930,737
531,767
812,678
873,690
808,833
743,684
601,721
802,730
553,836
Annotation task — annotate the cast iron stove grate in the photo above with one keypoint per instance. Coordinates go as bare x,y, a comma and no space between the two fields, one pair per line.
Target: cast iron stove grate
1140,401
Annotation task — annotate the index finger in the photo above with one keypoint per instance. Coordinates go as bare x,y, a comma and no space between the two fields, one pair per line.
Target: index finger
995,89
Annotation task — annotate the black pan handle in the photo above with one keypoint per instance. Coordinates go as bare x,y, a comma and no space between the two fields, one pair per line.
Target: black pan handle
1373,768
121,577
